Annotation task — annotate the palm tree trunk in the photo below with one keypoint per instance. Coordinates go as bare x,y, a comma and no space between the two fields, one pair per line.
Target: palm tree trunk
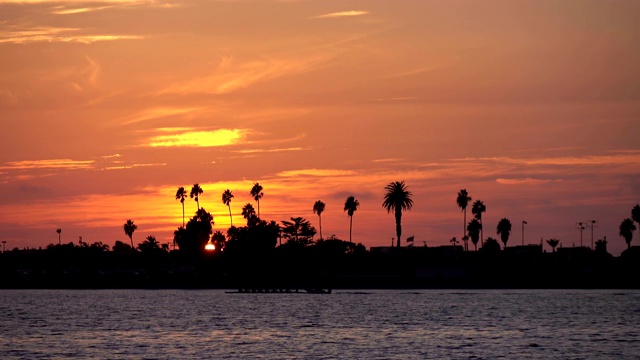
464,224
230,217
350,226
481,234
320,216
131,238
183,213
399,225
258,207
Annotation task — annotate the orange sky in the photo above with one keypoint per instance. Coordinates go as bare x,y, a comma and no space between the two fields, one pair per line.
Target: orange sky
108,106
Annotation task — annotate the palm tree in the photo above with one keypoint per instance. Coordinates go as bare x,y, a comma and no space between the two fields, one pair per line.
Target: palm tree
504,230
181,194
474,229
227,195
463,200
553,243
398,199
196,190
256,192
248,211
627,227
59,231
129,228
318,208
477,209
635,214
350,206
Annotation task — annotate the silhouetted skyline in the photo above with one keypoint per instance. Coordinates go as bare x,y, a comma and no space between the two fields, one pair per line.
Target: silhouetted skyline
531,107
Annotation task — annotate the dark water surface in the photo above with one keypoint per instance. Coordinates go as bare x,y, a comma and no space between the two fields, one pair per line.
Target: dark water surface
179,324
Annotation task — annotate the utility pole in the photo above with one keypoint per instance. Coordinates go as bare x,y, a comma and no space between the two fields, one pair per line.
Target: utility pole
4,246
592,224
581,227
523,224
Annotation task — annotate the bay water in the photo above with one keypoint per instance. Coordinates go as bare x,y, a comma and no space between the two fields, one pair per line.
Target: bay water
355,324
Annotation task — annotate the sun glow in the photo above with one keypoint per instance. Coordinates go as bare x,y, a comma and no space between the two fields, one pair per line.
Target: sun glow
221,137
209,246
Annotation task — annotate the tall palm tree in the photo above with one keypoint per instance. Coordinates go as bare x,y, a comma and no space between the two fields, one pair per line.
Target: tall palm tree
181,194
463,200
627,227
397,199
196,190
504,230
553,243
474,229
318,208
248,211
227,195
256,192
635,214
129,228
350,206
59,231
477,209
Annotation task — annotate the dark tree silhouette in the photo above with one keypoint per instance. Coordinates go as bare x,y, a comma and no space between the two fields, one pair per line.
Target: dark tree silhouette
149,246
491,245
257,194
181,194
120,247
227,195
195,236
129,228
627,227
351,206
504,230
299,231
397,199
59,231
635,214
318,208
248,212
553,243
218,239
601,247
473,229
463,200
196,190
477,210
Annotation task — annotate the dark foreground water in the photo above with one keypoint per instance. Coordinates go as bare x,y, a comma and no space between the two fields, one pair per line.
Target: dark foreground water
178,324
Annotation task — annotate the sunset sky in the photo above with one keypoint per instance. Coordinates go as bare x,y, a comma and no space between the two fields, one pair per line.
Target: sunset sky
107,107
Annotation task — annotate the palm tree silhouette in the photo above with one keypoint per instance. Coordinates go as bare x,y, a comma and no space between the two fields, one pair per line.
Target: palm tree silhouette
248,212
627,227
398,199
129,228
474,229
635,214
553,243
350,206
59,231
227,195
196,190
256,192
504,230
318,208
181,194
477,209
463,200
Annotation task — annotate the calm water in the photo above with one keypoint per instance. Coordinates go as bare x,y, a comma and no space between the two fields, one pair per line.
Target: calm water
178,324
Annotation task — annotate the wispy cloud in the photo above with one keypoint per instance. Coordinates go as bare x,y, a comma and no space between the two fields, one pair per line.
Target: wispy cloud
48,164
341,14
220,137
253,151
316,172
24,35
157,113
523,181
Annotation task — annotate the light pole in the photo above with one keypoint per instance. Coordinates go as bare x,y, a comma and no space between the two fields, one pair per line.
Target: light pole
592,224
4,247
581,227
523,224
